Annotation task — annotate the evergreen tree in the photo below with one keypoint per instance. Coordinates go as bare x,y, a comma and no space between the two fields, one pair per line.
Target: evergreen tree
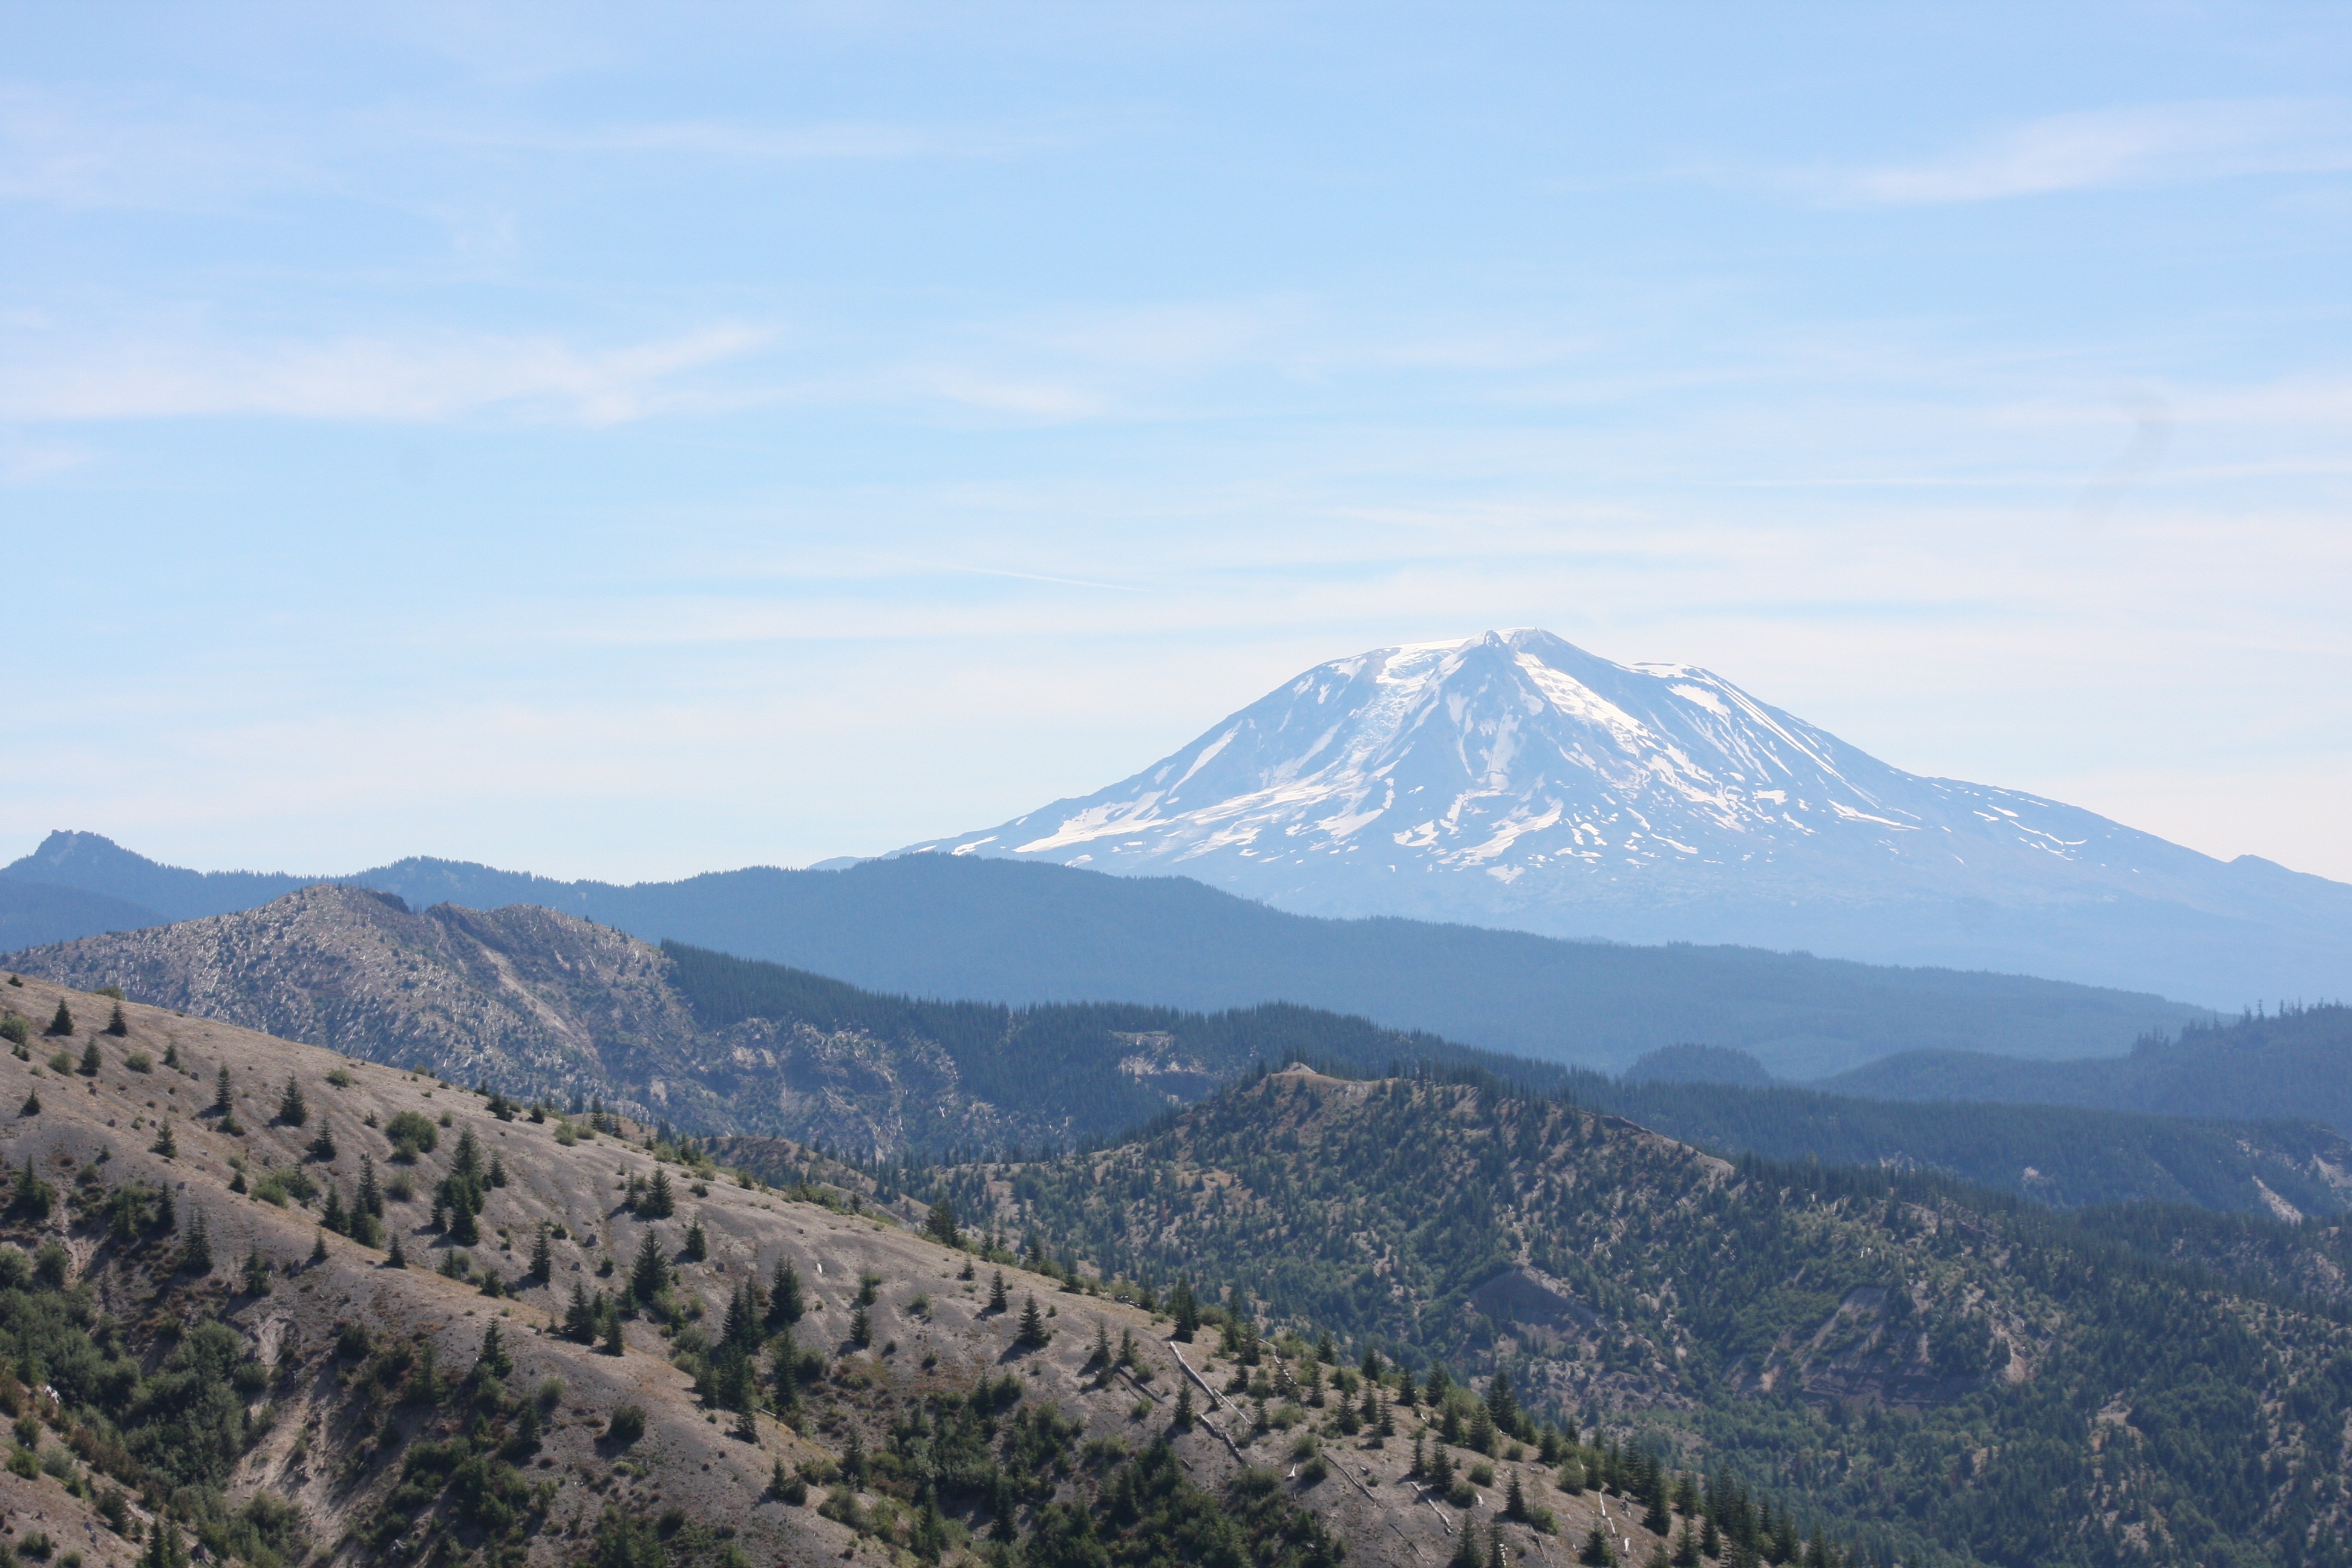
466,1163
1465,1546
580,1317
493,1362
32,1106
291,1110
1495,1548
370,1196
542,1254
616,1339
1184,1421
697,1243
62,1022
941,1223
1500,1405
1515,1504
255,1278
1685,1547
322,1147
224,1094
997,1300
1598,1552
318,1247
116,1024
197,1251
659,1202
861,1328
90,1060
333,1216
785,1304
164,1144
650,1272
498,1177
1034,1332
166,1547
1184,1309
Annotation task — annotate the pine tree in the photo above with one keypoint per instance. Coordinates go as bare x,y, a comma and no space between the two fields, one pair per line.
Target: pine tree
165,1548
90,1060
32,1106
1420,1466
1597,1552
197,1251
941,1223
62,1022
224,1094
1465,1546
171,1056
370,1196
785,1304
497,1170
322,1147
1515,1504
1184,1309
650,1272
542,1254
164,1144
861,1328
697,1244
493,1362
1033,1333
333,1216
395,1256
1685,1547
615,1340
256,1281
291,1111
116,1024
1183,1406
997,1300
466,1162
659,1202
580,1317
1495,1548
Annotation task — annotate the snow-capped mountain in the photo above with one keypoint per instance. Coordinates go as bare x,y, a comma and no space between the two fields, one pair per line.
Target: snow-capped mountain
1513,779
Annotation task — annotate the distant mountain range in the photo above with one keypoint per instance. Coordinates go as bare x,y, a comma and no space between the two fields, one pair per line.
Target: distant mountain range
2295,1063
937,925
539,1004
1515,780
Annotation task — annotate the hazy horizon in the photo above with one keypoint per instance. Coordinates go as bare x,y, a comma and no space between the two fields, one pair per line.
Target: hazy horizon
621,446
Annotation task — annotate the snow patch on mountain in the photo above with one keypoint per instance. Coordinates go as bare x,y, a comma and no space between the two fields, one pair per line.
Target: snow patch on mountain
1515,779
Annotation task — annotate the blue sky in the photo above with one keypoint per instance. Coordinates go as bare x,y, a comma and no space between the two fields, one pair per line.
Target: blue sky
632,441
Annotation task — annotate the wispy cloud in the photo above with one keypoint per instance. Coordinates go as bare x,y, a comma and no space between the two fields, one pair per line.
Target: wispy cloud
838,140
367,378
2152,145
77,149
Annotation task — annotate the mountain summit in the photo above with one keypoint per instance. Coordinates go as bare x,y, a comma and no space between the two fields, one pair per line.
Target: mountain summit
1513,779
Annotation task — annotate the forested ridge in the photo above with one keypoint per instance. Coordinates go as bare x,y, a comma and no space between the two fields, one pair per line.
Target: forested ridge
1950,1374
2295,1061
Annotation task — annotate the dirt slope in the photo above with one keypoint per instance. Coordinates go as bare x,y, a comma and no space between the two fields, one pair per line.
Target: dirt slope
334,1443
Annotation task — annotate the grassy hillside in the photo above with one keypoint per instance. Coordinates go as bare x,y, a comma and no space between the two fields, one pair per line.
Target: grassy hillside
2296,1062
1023,935
1957,1376
347,1336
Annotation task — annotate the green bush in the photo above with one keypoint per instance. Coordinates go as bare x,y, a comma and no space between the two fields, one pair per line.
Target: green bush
412,1133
